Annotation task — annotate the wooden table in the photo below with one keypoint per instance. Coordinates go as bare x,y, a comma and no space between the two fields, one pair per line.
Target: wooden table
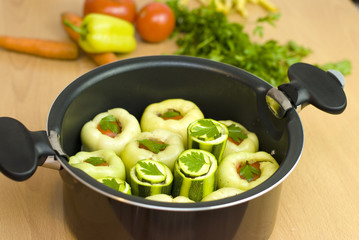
320,199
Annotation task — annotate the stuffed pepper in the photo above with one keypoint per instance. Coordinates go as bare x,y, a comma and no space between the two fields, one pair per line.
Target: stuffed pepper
171,114
99,164
245,170
194,174
222,193
159,145
117,184
169,198
208,135
239,139
149,177
110,130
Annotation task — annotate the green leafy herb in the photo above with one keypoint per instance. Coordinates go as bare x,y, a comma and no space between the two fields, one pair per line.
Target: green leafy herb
150,168
112,183
206,33
152,145
249,172
109,123
236,133
96,161
270,19
171,114
205,128
343,66
194,161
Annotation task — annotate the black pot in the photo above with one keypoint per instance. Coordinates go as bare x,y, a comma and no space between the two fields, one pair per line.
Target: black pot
95,211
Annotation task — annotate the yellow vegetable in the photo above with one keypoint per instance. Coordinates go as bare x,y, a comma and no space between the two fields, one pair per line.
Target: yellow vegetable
226,6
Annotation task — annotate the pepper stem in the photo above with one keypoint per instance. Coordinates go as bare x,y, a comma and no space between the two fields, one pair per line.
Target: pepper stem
77,29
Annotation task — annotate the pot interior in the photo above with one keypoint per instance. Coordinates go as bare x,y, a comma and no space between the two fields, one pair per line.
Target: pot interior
221,91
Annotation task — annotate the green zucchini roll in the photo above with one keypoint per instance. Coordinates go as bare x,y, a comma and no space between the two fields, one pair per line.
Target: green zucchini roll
172,114
239,139
149,177
222,193
160,145
99,164
110,130
245,170
117,184
208,135
169,198
194,174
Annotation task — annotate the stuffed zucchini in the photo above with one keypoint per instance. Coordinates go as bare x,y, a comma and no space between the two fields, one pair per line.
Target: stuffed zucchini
208,135
239,139
169,198
149,177
171,114
194,174
245,170
110,130
116,183
99,164
159,145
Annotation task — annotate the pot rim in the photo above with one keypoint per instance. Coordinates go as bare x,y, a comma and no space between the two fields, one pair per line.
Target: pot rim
276,179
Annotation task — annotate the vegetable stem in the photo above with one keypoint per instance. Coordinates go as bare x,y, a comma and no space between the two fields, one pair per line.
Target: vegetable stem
79,30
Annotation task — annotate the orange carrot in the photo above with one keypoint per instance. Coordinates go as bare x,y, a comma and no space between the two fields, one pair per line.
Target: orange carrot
98,58
40,47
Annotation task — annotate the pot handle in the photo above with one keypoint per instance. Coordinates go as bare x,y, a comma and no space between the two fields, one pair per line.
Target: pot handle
309,85
21,150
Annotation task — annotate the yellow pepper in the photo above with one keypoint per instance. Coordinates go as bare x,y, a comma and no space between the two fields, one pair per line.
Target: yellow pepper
101,33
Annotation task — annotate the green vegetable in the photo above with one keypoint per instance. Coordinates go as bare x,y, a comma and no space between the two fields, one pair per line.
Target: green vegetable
149,177
194,164
153,146
152,116
208,135
134,151
248,172
93,139
112,183
222,193
207,33
239,139
150,171
343,66
236,133
229,176
109,123
101,33
169,198
99,164
206,129
270,19
96,161
194,174
170,114
117,184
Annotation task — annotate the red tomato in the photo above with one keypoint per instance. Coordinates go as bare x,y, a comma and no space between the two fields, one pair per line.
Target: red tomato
124,9
155,22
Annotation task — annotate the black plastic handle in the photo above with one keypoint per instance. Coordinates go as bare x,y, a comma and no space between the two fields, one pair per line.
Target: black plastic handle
21,150
310,84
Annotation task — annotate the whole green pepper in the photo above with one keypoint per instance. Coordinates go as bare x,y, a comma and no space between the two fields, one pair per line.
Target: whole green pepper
99,164
101,33
93,139
237,170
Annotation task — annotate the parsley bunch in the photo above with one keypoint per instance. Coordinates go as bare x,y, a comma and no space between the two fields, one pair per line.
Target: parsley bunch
207,33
